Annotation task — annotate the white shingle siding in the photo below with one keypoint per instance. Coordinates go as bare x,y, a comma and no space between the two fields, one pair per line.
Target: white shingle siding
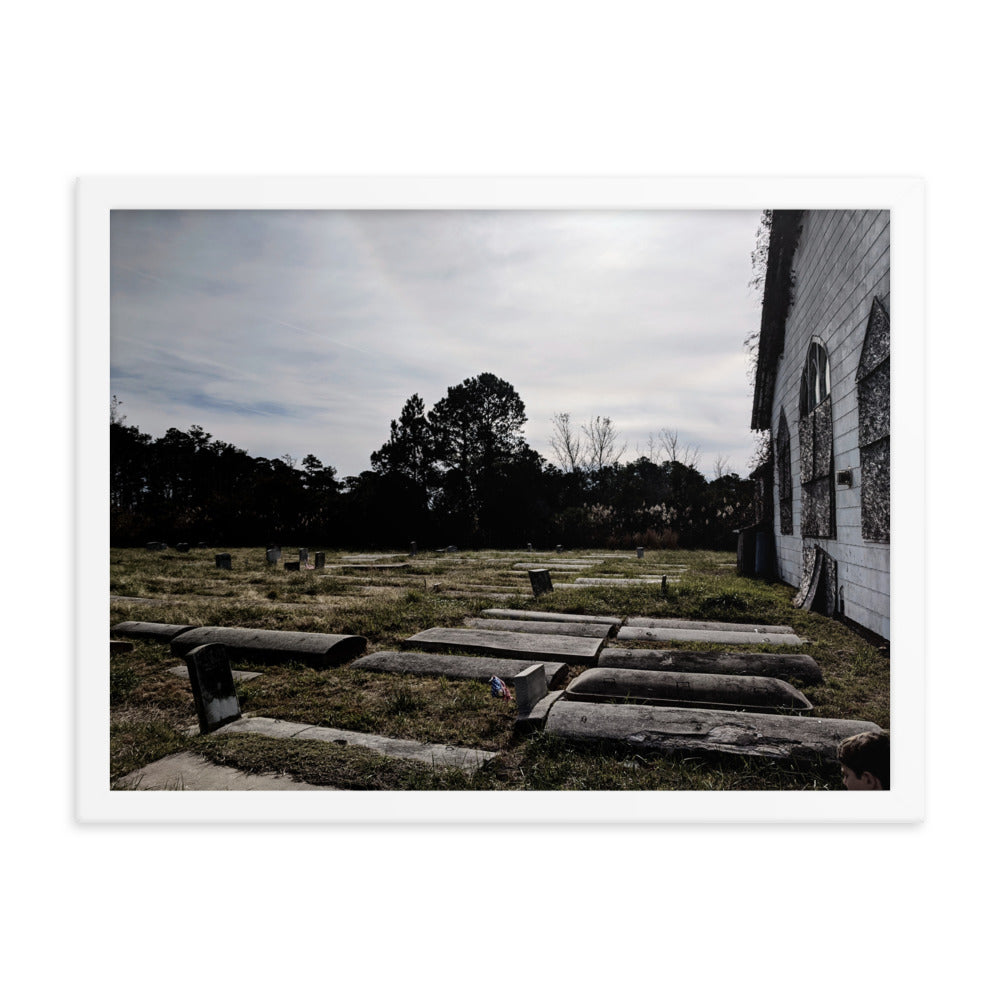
840,265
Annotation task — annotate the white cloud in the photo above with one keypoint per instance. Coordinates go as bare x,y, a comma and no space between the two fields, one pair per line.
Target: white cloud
306,331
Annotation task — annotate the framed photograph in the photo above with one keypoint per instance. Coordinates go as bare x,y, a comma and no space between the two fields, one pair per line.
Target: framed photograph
500,500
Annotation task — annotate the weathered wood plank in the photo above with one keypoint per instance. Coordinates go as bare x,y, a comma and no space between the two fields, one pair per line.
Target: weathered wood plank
273,646
708,635
718,626
587,629
518,646
661,687
693,730
480,668
791,666
548,616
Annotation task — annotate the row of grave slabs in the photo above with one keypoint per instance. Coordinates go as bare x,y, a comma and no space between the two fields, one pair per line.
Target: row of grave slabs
372,571
740,702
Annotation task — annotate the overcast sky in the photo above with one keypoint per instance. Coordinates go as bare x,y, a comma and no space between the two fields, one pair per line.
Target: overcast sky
297,332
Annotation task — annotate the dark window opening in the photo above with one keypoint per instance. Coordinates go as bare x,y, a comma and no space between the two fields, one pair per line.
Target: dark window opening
873,425
816,445
784,449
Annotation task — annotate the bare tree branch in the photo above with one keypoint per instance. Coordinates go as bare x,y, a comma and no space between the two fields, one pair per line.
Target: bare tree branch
565,443
603,449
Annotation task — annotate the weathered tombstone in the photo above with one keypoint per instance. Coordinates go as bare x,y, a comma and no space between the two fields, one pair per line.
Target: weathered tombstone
224,561
660,687
452,548
663,586
256,645
273,555
558,548
413,548
513,645
640,552
202,545
303,555
212,684
541,582
293,566
530,549
152,546
530,686
118,647
150,631
320,560
458,667
183,546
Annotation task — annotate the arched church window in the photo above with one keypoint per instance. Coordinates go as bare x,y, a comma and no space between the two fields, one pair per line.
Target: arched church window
873,425
816,444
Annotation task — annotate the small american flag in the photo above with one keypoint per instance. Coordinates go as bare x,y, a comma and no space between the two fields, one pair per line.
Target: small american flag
499,690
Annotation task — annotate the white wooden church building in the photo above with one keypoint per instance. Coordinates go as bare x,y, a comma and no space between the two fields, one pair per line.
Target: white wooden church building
822,390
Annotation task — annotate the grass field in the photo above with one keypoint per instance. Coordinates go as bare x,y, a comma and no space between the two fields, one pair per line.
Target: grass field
151,708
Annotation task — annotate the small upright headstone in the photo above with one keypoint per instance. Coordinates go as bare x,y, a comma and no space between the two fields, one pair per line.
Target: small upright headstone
292,565
663,586
452,548
303,555
183,546
558,548
202,545
273,555
640,552
413,548
541,582
530,686
224,561
320,560
530,549
212,684
152,546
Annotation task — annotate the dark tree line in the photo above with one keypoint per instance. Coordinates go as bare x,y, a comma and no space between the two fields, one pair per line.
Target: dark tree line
460,473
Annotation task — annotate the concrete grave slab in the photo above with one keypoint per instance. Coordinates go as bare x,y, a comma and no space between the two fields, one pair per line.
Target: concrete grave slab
238,675
693,730
549,616
717,626
431,754
620,580
149,631
789,667
212,686
316,649
190,772
515,645
630,633
480,668
660,687
589,630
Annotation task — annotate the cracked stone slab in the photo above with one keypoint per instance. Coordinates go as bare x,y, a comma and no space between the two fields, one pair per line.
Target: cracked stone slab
432,754
589,630
480,668
708,635
548,616
513,645
689,730
719,626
